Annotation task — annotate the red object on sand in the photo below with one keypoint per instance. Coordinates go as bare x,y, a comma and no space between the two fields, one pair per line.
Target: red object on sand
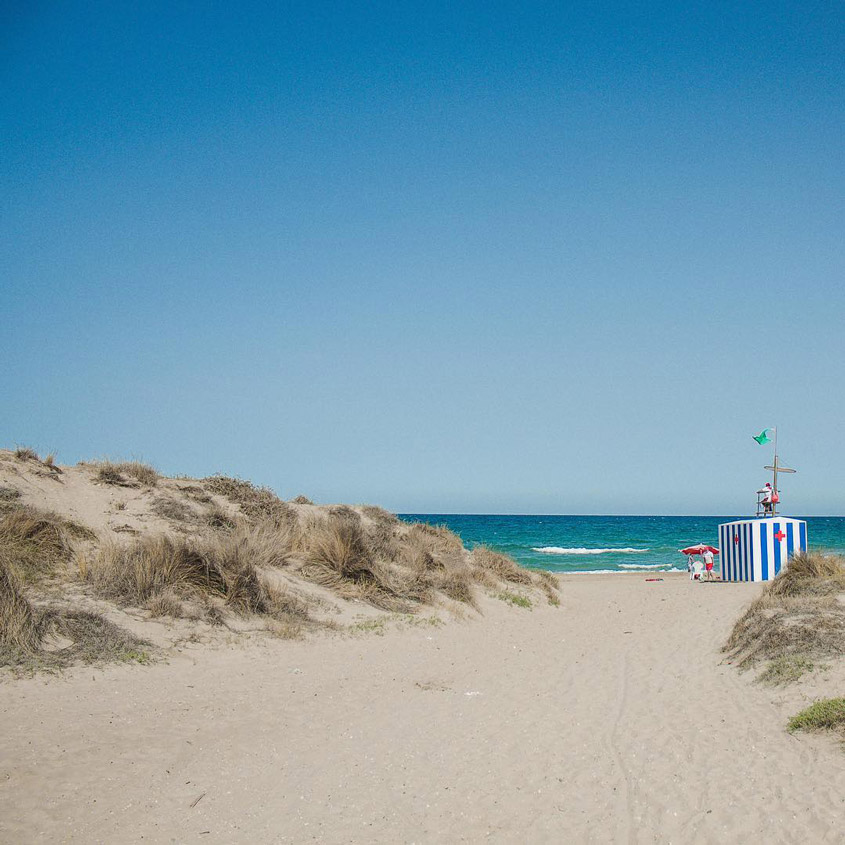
700,549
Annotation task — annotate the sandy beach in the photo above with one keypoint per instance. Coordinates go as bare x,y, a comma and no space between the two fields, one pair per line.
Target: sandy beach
608,719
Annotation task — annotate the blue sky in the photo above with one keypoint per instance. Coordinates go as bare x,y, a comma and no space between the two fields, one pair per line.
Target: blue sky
492,257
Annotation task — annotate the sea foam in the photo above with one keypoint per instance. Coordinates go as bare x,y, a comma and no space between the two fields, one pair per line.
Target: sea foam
613,571
560,550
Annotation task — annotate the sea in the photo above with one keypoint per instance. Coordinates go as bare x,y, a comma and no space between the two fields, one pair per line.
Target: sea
584,544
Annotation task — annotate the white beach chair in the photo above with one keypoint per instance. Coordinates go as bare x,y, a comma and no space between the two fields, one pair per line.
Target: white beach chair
697,570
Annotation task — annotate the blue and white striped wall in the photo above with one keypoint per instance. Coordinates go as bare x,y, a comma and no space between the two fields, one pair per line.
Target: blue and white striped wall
757,549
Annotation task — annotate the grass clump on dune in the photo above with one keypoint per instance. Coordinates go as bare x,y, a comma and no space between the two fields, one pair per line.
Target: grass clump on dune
797,617
501,566
172,509
126,473
24,453
161,571
827,714
36,542
256,503
20,628
337,556
516,599
379,515
8,496
786,669
87,637
812,574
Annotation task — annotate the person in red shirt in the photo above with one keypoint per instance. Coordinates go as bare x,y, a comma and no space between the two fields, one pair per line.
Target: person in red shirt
708,564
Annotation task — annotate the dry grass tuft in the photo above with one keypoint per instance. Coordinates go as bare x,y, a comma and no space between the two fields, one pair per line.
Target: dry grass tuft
436,539
8,495
166,603
24,632
126,473
457,585
501,566
286,629
172,509
196,493
550,586
135,573
302,500
95,640
379,515
24,453
219,519
797,615
20,631
36,542
338,556
257,504
812,574
345,512
160,572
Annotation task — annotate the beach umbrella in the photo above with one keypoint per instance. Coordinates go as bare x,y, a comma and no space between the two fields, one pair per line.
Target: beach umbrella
700,549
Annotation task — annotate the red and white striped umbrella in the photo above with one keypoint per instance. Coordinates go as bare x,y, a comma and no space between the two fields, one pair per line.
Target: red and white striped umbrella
700,549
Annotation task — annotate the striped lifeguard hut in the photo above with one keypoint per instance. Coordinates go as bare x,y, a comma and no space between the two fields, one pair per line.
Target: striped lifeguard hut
757,549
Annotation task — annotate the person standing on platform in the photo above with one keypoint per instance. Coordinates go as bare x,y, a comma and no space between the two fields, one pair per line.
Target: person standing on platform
766,501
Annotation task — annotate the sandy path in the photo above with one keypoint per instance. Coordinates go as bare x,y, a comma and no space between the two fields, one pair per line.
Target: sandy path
607,720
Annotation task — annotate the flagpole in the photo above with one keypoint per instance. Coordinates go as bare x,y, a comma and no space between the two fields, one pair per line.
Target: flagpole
775,503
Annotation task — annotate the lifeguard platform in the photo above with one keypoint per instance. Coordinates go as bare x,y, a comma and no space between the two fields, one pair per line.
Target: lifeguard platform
757,549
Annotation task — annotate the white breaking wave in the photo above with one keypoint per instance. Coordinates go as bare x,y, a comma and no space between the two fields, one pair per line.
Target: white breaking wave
643,565
559,550
609,571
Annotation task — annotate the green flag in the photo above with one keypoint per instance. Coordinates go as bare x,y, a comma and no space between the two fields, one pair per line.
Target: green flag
763,436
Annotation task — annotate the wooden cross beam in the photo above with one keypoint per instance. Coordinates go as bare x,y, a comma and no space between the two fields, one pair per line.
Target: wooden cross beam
775,470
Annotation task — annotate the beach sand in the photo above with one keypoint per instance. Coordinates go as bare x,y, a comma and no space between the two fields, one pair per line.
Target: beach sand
609,719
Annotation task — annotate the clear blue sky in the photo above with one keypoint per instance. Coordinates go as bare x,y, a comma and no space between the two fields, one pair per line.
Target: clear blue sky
479,257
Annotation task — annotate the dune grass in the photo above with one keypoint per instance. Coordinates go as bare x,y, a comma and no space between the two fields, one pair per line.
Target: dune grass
169,575
380,515
503,567
126,473
827,714
20,628
24,453
362,553
337,556
173,509
8,495
797,618
35,542
257,504
516,599
25,629
786,669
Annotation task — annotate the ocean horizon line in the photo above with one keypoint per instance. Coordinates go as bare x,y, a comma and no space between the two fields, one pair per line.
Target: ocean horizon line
616,515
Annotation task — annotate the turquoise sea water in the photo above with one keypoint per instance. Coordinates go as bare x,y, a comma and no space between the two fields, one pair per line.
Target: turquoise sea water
607,543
